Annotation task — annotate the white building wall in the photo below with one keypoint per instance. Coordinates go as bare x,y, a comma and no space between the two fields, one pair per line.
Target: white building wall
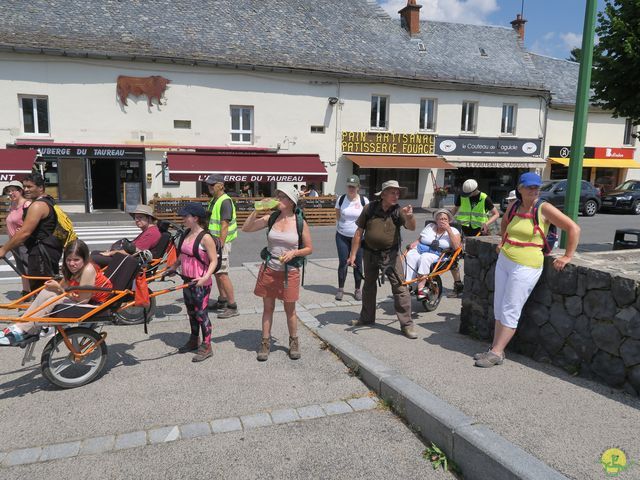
602,131
84,109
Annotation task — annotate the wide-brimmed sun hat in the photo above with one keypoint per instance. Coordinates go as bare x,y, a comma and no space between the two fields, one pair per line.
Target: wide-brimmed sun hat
143,210
290,192
391,184
13,183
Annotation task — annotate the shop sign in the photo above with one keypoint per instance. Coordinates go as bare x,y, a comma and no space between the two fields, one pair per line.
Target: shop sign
262,178
90,152
487,147
388,143
483,164
556,151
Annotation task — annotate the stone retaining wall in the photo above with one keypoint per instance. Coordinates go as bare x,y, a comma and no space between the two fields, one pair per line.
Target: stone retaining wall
585,319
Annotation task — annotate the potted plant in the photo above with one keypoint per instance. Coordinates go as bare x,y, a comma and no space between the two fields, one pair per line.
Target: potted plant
439,193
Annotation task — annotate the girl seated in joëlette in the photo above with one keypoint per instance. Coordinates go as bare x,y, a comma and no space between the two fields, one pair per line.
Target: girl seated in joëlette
77,270
427,249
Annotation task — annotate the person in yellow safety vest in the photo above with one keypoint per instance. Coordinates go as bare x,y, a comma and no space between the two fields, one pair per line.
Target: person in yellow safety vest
474,212
222,224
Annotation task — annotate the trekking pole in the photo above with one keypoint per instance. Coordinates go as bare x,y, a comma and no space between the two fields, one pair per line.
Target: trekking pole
13,267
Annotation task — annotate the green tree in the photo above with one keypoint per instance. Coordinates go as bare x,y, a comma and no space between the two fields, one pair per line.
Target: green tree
616,59
575,55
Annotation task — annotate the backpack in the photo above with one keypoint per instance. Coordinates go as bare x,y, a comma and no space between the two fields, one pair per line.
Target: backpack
344,195
395,216
196,246
63,231
296,262
549,239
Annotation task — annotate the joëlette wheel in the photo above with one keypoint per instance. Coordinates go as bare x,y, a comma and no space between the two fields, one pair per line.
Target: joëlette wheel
434,294
590,208
58,363
135,315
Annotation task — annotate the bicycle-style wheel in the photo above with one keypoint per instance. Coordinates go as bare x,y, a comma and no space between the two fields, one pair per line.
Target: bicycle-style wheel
135,315
433,290
61,368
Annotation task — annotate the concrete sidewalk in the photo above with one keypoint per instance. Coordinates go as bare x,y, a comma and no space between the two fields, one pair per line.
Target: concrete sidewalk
565,422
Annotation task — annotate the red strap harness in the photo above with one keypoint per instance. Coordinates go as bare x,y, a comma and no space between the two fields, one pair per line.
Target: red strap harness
536,229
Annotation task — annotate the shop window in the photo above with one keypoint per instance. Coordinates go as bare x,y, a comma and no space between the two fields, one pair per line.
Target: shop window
629,133
371,180
469,113
34,112
508,126
428,114
72,180
241,124
379,112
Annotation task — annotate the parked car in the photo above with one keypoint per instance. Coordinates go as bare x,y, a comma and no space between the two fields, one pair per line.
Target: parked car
625,197
554,191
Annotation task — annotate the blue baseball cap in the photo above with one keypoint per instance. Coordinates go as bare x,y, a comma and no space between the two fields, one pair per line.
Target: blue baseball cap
530,179
194,209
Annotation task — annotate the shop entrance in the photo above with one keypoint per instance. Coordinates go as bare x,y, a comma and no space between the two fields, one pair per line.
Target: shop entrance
495,182
105,184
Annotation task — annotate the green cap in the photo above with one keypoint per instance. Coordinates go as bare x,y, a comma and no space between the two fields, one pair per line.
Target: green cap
353,180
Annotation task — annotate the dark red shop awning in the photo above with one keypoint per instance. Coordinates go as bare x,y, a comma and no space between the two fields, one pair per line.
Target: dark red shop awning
246,167
15,164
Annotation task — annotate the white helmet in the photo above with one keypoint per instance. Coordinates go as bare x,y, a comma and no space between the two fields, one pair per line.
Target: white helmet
469,186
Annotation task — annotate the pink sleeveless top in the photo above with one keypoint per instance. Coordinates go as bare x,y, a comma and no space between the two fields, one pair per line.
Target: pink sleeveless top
189,265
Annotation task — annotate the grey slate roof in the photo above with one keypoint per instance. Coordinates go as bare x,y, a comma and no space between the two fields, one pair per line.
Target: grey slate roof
560,77
454,49
338,36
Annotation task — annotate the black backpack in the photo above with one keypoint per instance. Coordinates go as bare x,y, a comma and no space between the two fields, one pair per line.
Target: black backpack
344,195
196,246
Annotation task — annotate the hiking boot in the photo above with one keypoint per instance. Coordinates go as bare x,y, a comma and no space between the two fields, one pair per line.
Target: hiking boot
458,289
409,332
204,352
358,294
360,323
478,356
229,312
489,360
339,294
263,350
220,304
191,345
294,348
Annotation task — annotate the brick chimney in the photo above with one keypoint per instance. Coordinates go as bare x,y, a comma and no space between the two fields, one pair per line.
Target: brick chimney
410,17
518,26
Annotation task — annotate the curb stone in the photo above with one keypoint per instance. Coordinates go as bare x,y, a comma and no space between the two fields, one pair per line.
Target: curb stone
476,449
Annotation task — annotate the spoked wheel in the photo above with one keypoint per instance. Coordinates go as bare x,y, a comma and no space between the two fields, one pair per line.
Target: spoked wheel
433,290
61,368
135,315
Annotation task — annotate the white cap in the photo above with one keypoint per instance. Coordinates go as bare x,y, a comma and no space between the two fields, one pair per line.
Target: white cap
512,195
469,186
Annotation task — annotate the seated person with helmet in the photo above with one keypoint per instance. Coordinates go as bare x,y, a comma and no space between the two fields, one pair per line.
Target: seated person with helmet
147,240
426,251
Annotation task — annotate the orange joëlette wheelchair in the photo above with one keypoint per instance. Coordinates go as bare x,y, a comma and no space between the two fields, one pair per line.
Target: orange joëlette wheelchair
77,353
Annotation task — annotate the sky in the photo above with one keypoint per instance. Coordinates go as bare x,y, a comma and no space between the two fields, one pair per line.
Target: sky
554,27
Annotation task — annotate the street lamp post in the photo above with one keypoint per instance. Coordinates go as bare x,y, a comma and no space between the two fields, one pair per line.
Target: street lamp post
580,117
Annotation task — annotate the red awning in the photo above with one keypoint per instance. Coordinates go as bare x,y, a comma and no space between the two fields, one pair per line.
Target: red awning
246,167
15,164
